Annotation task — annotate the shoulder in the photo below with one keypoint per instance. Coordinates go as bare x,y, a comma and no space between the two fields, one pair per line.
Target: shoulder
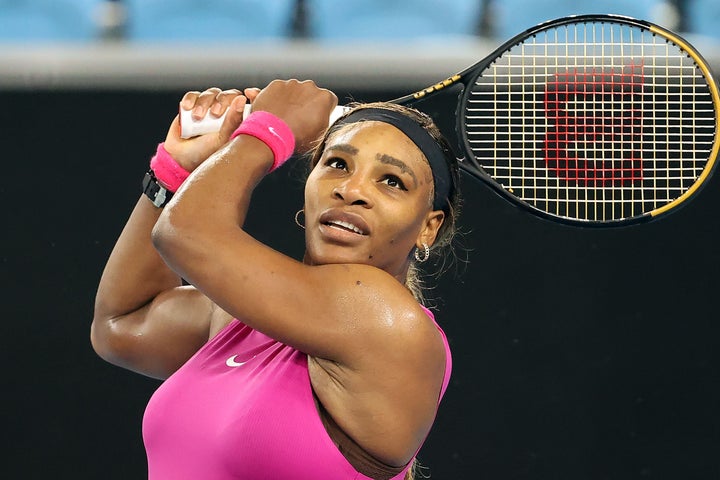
370,292
382,312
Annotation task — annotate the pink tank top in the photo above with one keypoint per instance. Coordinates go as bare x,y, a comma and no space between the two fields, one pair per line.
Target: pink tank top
242,408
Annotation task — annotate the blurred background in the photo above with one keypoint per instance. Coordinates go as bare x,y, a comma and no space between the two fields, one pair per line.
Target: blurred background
580,354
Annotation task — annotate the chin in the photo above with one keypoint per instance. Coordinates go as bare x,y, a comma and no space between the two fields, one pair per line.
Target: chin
336,255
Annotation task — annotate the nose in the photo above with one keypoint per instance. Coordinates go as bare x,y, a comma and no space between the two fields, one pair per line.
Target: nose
354,190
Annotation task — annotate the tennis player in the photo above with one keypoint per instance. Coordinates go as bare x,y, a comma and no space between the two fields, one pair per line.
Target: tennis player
329,368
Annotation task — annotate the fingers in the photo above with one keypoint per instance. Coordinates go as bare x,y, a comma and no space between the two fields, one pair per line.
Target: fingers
285,95
223,101
213,100
251,93
234,116
303,105
188,100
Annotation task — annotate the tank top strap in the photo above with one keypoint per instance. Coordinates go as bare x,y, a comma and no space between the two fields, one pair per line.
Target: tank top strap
448,355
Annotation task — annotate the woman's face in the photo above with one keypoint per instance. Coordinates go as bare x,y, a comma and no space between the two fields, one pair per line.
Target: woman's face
369,199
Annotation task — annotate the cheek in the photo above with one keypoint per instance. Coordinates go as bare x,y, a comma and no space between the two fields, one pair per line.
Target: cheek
310,193
404,230
413,221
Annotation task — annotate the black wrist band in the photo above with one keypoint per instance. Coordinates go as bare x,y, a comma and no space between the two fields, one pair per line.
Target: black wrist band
158,194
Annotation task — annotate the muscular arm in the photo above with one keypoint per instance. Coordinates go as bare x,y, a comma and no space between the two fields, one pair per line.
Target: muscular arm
329,311
134,273
200,236
376,359
144,319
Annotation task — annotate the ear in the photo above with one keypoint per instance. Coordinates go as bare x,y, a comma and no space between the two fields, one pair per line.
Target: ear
431,226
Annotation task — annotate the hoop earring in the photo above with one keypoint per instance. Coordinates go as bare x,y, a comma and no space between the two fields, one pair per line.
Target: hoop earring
297,214
426,253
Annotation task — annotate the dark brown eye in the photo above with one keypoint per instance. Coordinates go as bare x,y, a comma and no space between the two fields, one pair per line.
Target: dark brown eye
337,163
393,181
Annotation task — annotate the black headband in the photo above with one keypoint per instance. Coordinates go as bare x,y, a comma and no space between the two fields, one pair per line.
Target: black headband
420,137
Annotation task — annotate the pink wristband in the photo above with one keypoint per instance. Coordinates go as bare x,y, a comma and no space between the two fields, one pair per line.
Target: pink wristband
167,170
272,131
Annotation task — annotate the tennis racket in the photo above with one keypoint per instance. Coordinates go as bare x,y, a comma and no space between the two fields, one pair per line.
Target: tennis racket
592,120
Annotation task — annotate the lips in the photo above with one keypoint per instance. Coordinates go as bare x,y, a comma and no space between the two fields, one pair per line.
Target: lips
345,221
345,225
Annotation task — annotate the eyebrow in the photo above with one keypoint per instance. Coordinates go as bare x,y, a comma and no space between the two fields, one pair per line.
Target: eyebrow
381,157
390,160
344,147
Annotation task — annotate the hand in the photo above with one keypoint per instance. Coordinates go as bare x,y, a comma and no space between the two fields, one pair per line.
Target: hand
190,153
302,105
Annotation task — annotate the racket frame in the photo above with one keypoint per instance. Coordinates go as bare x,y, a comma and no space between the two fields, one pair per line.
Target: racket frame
470,74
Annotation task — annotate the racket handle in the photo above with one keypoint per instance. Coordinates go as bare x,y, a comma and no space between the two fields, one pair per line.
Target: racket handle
189,127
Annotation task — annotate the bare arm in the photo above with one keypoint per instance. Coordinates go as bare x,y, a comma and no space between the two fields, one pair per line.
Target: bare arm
382,359
134,273
144,319
331,311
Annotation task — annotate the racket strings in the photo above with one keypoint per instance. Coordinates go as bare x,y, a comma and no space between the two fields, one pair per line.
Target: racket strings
592,121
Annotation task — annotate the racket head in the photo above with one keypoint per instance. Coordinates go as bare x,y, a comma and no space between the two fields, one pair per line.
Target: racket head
591,120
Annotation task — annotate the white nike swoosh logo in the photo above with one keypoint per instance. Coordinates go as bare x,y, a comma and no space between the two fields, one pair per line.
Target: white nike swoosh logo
230,362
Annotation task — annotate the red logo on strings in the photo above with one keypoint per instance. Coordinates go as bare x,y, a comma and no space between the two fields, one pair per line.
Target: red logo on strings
596,139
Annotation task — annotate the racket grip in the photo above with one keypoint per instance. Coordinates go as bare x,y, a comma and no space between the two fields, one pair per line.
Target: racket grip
190,127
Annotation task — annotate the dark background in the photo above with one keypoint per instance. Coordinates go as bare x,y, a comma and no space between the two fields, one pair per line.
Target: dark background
580,354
